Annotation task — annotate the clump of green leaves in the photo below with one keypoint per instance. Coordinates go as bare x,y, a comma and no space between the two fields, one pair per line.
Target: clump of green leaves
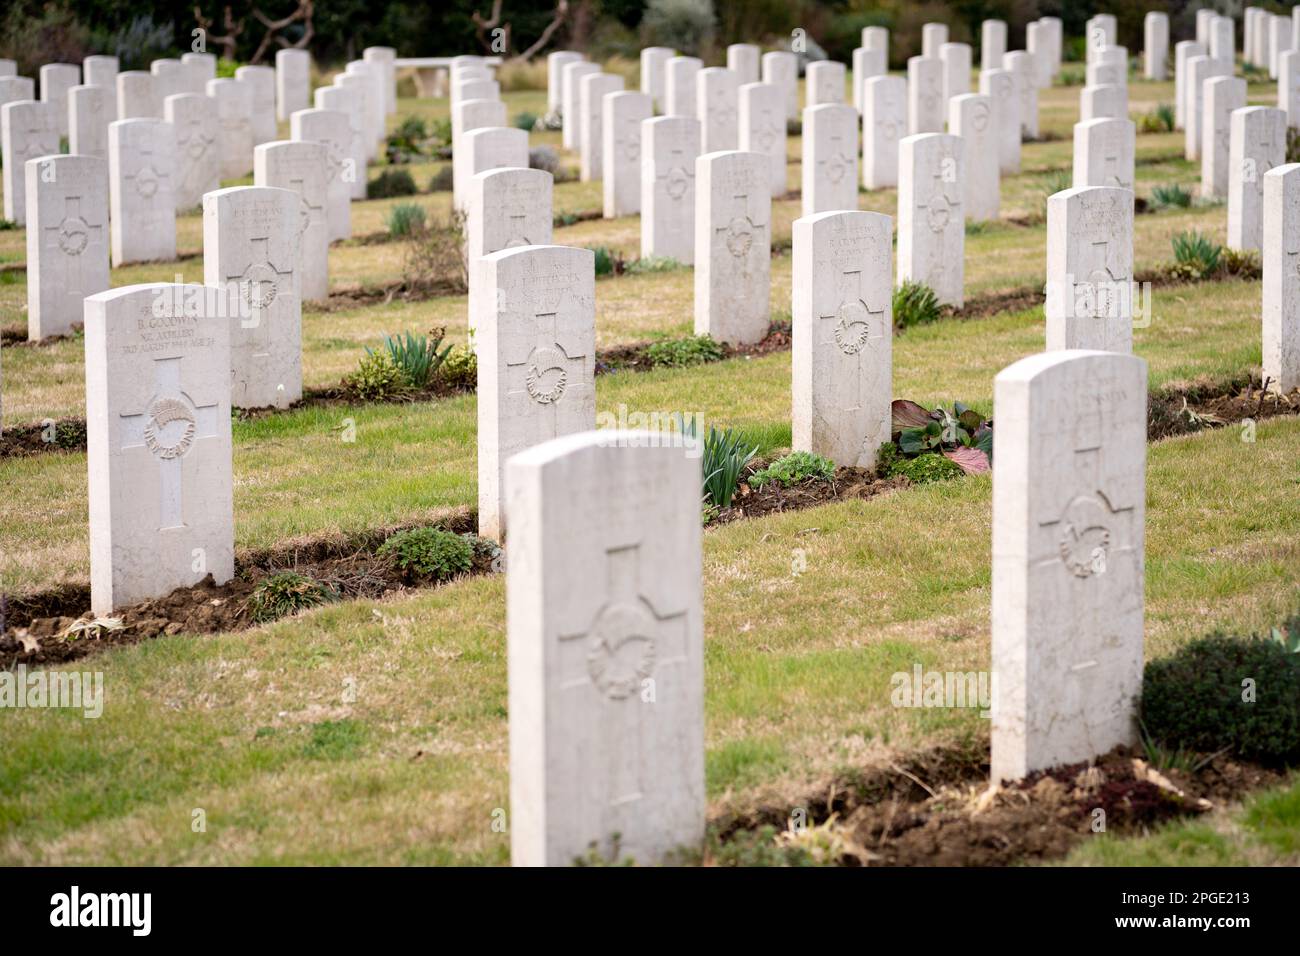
1196,255
724,457
287,592
405,219
441,181
1243,263
406,141
920,469
679,353
960,434
377,379
526,121
459,368
7,224
417,356
648,264
793,469
1171,196
429,553
914,304
608,261
1159,120
391,182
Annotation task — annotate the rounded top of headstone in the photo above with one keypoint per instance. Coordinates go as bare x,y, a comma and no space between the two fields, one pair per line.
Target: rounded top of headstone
1043,365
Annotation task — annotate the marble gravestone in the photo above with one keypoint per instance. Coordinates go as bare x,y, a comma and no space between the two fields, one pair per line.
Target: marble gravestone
956,60
933,36
653,60
742,60
1288,87
592,90
670,146
333,131
866,64
781,69
555,63
292,82
102,71
993,44
89,113
536,344
158,446
733,244
679,85
234,106
198,159
1002,87
884,123
1109,101
925,103
830,160
763,128
1199,69
15,88
300,167
571,111
842,332
353,171
261,92
481,149
475,114
605,651
1258,145
1090,269
823,83
1281,262
1021,63
199,67
620,129
970,117
1104,151
28,129
142,191
385,58
717,107
931,224
67,240
169,78
56,79
136,98
1155,45
1184,50
250,235
1223,95
1069,495
361,89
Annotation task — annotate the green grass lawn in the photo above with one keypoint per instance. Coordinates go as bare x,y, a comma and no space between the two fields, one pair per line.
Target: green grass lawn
262,732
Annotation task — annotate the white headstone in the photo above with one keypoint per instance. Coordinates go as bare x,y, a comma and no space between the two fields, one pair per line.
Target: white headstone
571,109
1279,41
733,242
1281,262
56,80
234,108
142,191
970,117
67,240
475,114
876,38
361,88
679,85
250,234
1288,87
823,83
669,148
1037,45
592,90
332,129
1055,41
742,59
993,44
956,59
136,98
1199,70
653,61
1223,44
1104,152
28,129
781,69
1258,145
300,167
763,129
1100,31
102,71
169,78
842,364
606,651
1090,268
199,68
481,149
555,62
884,123
1109,101
1184,50
292,82
620,130
1223,95
348,102
925,102
193,117
508,208
1022,64
933,36
15,88
717,105
90,110
261,84
385,57
931,225
830,158
1003,88
1068,534
158,448
1155,45
536,344
866,64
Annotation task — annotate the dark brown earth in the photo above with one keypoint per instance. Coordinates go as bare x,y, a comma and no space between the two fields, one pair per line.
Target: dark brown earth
934,808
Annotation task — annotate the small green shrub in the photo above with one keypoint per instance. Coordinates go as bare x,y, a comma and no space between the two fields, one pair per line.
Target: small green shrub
680,353
608,261
460,368
405,219
406,141
429,553
377,379
1243,263
794,468
922,469
526,121
914,304
391,182
1198,699
1159,120
287,592
1171,196
726,453
962,435
417,356
1196,255
441,181
647,264
7,224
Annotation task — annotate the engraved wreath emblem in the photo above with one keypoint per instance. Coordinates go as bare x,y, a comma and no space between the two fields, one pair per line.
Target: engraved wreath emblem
621,652
164,412
546,379
853,329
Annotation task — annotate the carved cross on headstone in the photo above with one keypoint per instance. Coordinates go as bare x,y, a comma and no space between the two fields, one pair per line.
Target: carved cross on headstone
628,642
835,161
769,128
539,379
678,175
309,214
144,178
739,231
193,139
37,140
851,326
260,283
71,237
168,427
940,209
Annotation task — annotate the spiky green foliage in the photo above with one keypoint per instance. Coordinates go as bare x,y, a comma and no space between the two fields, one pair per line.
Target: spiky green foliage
429,553
796,467
287,592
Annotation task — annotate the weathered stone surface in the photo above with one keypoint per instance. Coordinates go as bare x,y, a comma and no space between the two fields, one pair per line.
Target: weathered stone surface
842,363
571,110
1155,45
508,208
261,89
763,128
300,167
90,110
670,146
536,342
136,98
1281,261
970,116
1223,94
493,148
1002,87
158,446
823,83
605,651
781,69
653,61
830,160
717,107
592,90
28,129
67,240
1069,493
1258,145
620,130
1090,268
679,85
249,253
292,82
733,244
333,131
193,117
1104,153
925,103
234,118
362,90
348,102
884,123
931,224
142,191
56,80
